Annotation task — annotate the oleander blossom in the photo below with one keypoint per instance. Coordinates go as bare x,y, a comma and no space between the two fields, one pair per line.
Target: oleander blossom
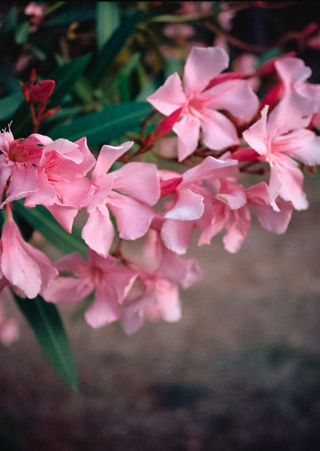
280,138
105,278
201,98
161,273
129,193
188,192
46,172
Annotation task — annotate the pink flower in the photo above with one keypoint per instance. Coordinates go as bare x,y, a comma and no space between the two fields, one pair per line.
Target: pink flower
27,269
188,205
294,73
155,296
230,208
200,105
19,159
62,186
128,193
105,277
280,139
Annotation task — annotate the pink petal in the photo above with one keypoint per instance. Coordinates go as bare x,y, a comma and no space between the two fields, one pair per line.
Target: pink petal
237,230
292,71
23,181
168,302
122,279
45,195
88,160
211,168
218,131
138,180
65,148
132,319
290,178
203,64
64,216
293,112
233,200
133,218
67,290
274,221
211,230
169,97
189,206
107,156
177,235
104,308
98,232
25,267
188,131
257,135
72,262
304,145
144,253
231,96
184,272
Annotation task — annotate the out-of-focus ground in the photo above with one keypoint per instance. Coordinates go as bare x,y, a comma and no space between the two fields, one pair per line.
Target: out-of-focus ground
241,371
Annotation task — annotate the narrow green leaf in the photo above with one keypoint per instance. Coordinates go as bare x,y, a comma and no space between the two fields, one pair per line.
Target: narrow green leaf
108,20
112,46
66,76
40,219
47,326
100,128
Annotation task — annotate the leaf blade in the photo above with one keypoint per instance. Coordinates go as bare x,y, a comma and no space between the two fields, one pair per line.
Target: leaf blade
103,126
48,328
113,46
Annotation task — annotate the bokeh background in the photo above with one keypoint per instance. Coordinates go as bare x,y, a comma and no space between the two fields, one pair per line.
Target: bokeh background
241,370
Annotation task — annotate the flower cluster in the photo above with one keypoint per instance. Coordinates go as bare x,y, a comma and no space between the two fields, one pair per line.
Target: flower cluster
139,218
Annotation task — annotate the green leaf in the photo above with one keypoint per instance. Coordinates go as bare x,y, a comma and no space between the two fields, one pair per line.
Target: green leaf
66,76
112,46
40,219
9,104
47,325
108,20
102,127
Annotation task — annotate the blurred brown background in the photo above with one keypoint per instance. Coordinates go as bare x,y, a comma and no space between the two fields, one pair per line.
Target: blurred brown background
241,371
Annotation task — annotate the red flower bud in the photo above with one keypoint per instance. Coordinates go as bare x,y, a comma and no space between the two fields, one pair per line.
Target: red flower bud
41,91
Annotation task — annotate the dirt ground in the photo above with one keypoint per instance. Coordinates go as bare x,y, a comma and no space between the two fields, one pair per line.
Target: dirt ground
241,371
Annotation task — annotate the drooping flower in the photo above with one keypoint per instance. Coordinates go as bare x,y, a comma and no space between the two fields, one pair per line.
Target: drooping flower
188,205
155,295
280,139
229,206
201,103
129,193
294,73
108,280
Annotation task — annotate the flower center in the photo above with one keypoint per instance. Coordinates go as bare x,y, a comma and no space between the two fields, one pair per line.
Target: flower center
25,151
